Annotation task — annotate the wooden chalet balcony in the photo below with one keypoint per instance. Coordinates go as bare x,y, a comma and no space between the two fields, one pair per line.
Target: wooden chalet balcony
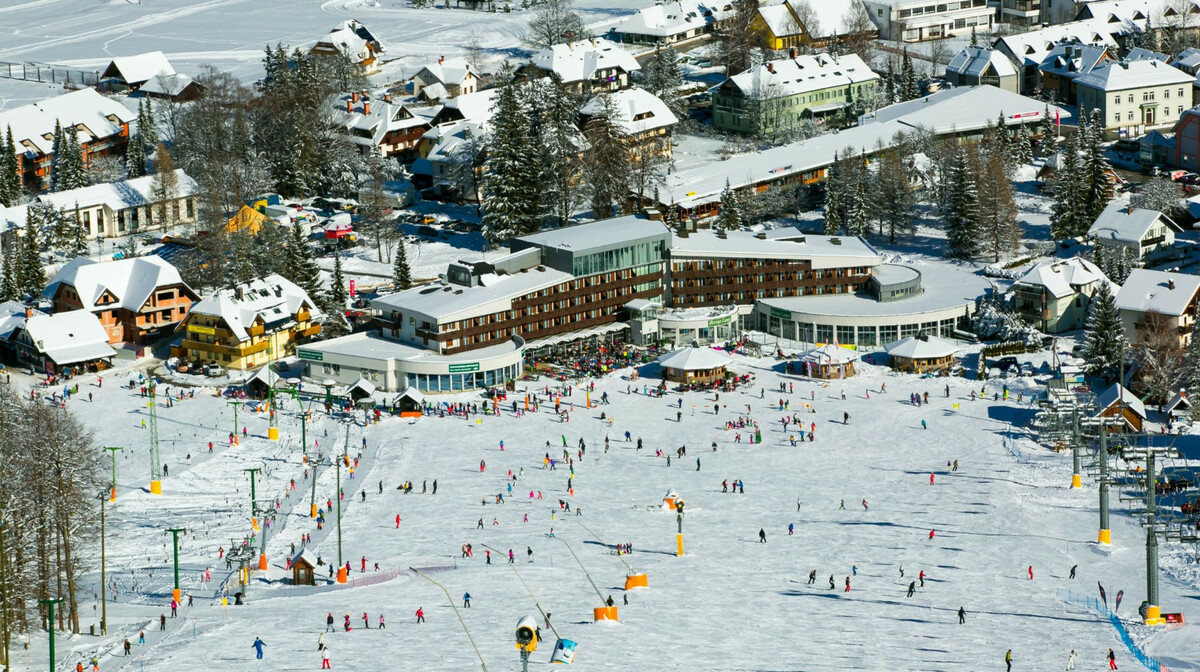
234,351
256,330
303,316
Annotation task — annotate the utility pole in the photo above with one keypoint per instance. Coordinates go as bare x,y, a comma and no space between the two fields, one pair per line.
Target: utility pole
175,532
1076,477
113,450
314,489
1153,611
155,467
272,422
50,624
338,497
253,500
234,403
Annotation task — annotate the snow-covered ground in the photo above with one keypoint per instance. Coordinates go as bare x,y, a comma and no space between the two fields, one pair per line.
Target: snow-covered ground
729,603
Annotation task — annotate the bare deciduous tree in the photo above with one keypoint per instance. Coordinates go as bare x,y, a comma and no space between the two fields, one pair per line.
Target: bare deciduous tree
554,22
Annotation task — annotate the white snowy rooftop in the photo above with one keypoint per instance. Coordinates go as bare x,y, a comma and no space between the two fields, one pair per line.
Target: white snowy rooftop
974,62
803,74
1128,225
1147,291
829,354
352,39
1063,278
604,233
638,110
133,193
666,19
495,293
91,114
476,106
69,338
930,347
943,287
1031,48
967,108
273,299
128,282
788,243
1118,394
446,70
694,359
370,345
1123,75
579,61
139,68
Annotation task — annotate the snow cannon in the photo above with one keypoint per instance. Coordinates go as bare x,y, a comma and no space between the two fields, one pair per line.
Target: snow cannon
636,581
670,498
526,634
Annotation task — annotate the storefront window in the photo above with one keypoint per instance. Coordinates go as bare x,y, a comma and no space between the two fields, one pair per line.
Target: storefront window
888,334
845,335
866,336
824,333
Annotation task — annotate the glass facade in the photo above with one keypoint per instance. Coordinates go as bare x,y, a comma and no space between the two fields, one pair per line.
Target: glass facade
639,254
457,382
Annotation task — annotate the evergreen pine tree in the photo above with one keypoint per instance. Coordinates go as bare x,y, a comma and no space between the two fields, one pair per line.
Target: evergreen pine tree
962,211
135,156
662,76
56,147
511,195
997,224
1049,134
1104,343
338,294
729,215
147,128
31,275
1191,372
889,85
1022,153
559,141
299,266
10,176
858,198
1095,169
671,216
10,286
835,202
67,170
1068,215
909,89
607,165
401,273
893,197
974,38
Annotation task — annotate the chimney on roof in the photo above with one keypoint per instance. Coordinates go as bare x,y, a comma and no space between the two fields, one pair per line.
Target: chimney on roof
1129,208
793,52
387,97
366,107
354,97
771,68
1170,283
28,312
349,106
441,59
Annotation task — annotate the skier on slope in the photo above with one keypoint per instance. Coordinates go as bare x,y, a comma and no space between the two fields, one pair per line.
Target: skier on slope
258,647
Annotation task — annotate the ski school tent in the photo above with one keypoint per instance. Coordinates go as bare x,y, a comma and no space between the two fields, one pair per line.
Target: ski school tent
828,361
261,382
409,402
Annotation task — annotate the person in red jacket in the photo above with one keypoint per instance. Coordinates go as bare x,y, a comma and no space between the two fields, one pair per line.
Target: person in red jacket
420,615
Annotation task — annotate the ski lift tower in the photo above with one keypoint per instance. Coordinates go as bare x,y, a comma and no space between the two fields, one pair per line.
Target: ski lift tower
155,467
1104,478
1154,527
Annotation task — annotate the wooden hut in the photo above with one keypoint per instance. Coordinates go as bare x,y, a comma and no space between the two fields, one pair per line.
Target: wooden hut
1118,402
828,362
261,382
700,366
304,568
360,389
918,354
409,403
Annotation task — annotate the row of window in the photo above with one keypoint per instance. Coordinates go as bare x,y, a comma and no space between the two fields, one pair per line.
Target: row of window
942,7
850,335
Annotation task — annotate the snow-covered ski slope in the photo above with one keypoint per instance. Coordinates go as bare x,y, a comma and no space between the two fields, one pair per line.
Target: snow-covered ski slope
730,603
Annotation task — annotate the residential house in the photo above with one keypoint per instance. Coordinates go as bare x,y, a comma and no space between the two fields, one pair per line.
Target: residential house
249,325
461,124
1028,50
132,206
780,93
917,20
1055,297
1119,403
1021,12
978,66
668,23
1146,234
1067,62
177,87
1156,302
102,126
136,300
1185,151
642,116
55,343
1188,60
129,73
379,125
354,41
778,26
1135,96
588,66
452,76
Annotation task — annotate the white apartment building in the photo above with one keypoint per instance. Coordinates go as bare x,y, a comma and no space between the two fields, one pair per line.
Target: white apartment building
916,20
1135,96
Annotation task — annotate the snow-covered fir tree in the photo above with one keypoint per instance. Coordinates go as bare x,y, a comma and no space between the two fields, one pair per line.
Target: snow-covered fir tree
401,272
893,197
338,294
909,88
560,143
66,166
662,76
1069,216
997,225
10,177
299,266
512,193
607,164
31,275
835,187
888,85
10,283
1116,263
962,208
1191,372
1104,343
729,214
1095,169
1048,132
1022,152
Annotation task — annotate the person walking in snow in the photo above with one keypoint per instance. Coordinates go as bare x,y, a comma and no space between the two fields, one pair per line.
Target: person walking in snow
258,647
912,587
1008,660
962,616
1071,660
921,577
832,585
847,585
1031,572
1073,568
325,660
762,536
321,642
420,614
812,577
466,600
1112,660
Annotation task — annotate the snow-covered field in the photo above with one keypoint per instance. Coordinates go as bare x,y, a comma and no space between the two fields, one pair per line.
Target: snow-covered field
729,603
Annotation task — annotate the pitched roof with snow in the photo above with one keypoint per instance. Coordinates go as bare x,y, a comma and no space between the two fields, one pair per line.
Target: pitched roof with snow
351,39
579,61
666,19
274,300
779,20
450,71
1119,394
638,110
694,359
829,354
802,74
133,193
134,70
476,106
1072,59
1122,223
1147,291
1137,11
167,85
975,61
69,338
1031,48
1188,58
930,347
1063,278
129,282
367,121
90,113
1123,75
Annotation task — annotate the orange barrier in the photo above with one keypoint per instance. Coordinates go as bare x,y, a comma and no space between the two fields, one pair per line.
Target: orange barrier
604,614
341,575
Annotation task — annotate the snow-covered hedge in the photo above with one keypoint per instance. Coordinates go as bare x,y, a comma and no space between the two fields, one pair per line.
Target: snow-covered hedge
994,323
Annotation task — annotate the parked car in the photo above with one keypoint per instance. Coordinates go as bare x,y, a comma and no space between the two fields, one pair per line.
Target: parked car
1027,369
214,370
1005,363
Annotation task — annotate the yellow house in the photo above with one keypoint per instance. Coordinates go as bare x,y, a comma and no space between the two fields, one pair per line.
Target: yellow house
249,325
246,218
779,26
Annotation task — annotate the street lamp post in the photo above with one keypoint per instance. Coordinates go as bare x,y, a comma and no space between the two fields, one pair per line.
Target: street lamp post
175,532
113,450
50,602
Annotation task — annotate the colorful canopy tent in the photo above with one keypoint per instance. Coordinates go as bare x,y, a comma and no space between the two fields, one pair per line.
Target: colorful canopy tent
694,365
828,361
921,354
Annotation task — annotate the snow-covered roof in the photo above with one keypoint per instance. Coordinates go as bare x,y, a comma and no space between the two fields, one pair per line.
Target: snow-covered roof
638,110
305,555
829,354
410,392
1126,224
69,338
1147,291
166,85
666,19
604,233
90,113
435,91
445,71
444,302
1137,11
1123,75
963,109
1063,278
447,140
930,347
476,106
803,74
141,68
1115,394
273,299
133,193
943,287
1188,58
352,39
1180,399
13,217
1073,59
368,121
779,19
130,282
789,243
974,62
1141,54
694,359
1031,48
362,385
265,376
579,61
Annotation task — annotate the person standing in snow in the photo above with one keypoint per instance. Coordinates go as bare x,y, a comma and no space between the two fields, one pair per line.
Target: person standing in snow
832,585
1112,660
912,587
258,647
1073,568
321,642
962,616
762,536
847,585
466,600
812,577
1031,572
1071,660
420,614
329,622
325,660
1008,660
